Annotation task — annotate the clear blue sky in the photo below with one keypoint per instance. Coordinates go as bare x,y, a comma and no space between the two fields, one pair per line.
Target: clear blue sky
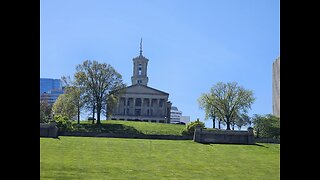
191,45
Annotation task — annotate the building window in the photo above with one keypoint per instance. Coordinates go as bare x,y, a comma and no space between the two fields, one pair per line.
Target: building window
139,69
138,102
128,111
128,103
161,103
124,111
148,112
139,81
151,112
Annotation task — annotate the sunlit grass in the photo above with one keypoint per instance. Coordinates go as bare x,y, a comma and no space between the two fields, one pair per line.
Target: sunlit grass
119,158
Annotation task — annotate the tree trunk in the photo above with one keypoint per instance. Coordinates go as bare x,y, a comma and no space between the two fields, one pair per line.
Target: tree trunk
98,113
239,127
228,123
219,124
233,127
108,112
214,122
93,112
78,114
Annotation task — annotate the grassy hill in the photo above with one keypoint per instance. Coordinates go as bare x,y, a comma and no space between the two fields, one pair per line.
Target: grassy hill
119,158
130,127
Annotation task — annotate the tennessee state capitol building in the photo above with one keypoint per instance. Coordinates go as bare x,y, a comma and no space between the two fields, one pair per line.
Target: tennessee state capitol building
139,102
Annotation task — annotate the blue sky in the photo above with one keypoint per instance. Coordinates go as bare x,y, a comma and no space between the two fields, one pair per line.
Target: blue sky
191,45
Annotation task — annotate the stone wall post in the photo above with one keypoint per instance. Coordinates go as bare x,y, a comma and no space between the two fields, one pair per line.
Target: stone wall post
250,136
197,134
53,130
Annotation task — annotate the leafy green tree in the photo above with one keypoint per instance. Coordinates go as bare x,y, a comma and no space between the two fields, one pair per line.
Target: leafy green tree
220,121
228,100
75,94
112,100
267,126
210,111
242,120
65,106
45,112
63,122
97,80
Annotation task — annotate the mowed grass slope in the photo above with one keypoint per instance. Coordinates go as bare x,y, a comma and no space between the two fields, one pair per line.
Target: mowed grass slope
132,127
119,158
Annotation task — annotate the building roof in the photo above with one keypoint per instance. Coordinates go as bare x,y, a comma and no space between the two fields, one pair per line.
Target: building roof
174,108
147,88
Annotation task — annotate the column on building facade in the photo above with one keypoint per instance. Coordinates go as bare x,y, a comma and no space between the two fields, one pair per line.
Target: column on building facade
134,107
150,102
156,107
148,106
160,108
125,106
128,106
119,107
165,106
145,107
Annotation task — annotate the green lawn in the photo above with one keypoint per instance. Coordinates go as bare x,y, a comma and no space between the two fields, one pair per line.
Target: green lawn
119,158
132,127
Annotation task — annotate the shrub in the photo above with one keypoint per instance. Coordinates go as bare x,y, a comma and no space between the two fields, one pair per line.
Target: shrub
63,122
191,127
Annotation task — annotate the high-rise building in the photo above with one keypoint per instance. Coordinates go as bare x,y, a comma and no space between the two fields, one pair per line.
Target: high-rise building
276,87
175,115
47,84
50,90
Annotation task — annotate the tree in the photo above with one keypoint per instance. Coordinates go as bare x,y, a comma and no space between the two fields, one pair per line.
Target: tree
242,120
228,100
97,80
45,111
74,94
220,121
65,106
267,126
112,100
210,111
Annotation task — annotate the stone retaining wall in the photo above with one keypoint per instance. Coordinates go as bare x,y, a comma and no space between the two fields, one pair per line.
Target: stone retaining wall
138,136
223,136
48,130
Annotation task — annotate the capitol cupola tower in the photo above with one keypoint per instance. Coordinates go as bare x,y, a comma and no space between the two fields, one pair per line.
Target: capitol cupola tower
140,64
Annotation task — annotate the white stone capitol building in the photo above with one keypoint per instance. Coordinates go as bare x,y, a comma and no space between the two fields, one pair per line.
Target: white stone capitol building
139,102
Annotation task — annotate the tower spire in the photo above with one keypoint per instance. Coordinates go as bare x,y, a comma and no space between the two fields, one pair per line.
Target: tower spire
141,47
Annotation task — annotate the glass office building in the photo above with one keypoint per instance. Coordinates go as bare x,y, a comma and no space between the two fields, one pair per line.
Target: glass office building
50,89
47,84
